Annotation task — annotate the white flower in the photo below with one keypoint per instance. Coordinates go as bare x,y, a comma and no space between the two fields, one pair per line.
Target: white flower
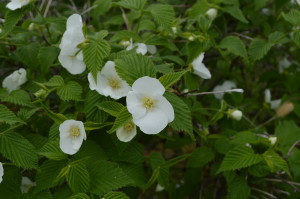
296,1
159,188
274,103
141,47
199,68
174,29
15,80
127,132
212,13
15,4
71,57
109,83
71,134
283,64
1,172
235,114
150,110
273,140
227,85
26,184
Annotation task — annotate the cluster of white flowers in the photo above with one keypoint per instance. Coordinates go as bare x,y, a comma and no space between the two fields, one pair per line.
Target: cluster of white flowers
199,68
71,57
15,80
1,172
274,103
142,48
16,4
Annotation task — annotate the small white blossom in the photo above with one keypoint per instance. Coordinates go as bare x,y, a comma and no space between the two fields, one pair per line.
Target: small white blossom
1,172
26,184
16,4
283,64
199,68
174,29
159,188
150,110
274,103
71,134
273,140
109,83
227,85
235,114
127,132
212,13
15,80
141,47
71,57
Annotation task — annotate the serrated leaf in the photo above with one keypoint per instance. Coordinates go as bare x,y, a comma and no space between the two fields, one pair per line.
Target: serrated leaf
162,14
125,35
26,113
116,195
70,91
157,161
236,12
132,4
78,178
136,173
292,17
237,186
122,118
19,150
52,151
200,157
296,38
91,110
132,67
239,157
274,161
107,176
19,97
258,49
6,116
111,107
94,53
56,117
47,56
175,160
234,45
11,19
28,54
183,118
169,79
56,80
80,196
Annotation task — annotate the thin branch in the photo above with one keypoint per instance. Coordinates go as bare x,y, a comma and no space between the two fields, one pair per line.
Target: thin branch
264,192
291,149
47,8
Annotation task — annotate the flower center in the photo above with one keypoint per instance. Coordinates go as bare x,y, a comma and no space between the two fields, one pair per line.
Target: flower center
128,127
74,132
148,103
114,82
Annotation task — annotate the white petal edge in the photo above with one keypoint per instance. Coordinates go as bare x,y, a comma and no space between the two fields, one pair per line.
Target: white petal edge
1,172
148,85
126,136
135,106
202,71
165,106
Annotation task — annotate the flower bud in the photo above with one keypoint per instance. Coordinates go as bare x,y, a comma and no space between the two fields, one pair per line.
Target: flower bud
174,29
235,114
211,13
272,140
285,109
41,93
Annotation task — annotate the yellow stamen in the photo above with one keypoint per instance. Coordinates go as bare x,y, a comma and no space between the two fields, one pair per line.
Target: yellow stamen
148,103
114,82
74,132
128,127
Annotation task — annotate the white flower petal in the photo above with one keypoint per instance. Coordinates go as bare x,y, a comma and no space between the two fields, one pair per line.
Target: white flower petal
153,122
164,105
227,85
74,22
26,184
275,103
1,172
148,85
141,48
71,63
134,105
202,71
109,69
15,80
124,135
16,4
198,60
267,96
71,144
92,84
237,114
151,49
211,13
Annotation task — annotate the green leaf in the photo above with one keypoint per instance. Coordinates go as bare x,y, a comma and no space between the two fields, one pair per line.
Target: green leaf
52,151
239,157
91,110
162,14
55,81
70,91
11,19
236,12
183,118
169,79
157,161
19,150
7,116
274,161
56,117
111,107
136,173
89,126
132,67
200,157
124,117
19,97
78,178
292,17
47,56
175,160
125,35
107,176
258,49
80,196
132,4
116,195
94,53
234,45
153,178
28,54
237,186
296,38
